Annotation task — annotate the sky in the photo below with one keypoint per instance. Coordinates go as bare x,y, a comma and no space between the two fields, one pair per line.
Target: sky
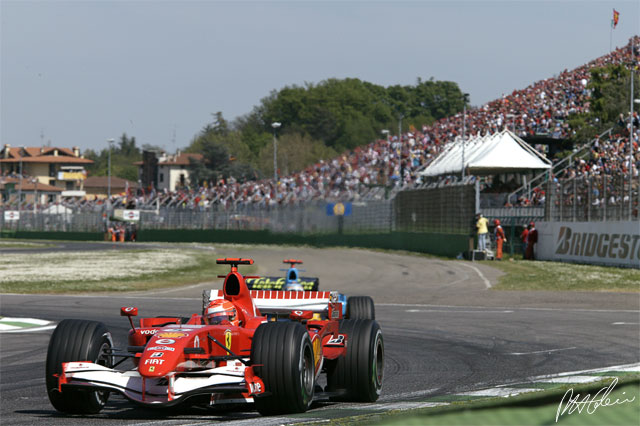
77,73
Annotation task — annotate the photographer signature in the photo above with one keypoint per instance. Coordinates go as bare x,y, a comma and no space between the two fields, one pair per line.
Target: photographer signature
588,403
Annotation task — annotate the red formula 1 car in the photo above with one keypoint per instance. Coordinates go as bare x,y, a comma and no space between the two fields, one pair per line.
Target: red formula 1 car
266,347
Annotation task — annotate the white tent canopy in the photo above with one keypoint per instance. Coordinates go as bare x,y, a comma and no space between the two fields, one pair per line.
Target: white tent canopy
57,209
499,153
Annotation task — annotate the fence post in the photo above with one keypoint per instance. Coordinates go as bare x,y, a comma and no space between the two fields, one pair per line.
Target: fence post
513,234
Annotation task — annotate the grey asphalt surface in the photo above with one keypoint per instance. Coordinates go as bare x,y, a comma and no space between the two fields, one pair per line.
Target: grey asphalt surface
444,331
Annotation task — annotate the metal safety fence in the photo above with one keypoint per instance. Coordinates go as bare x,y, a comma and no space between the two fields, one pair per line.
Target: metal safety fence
447,209
309,217
593,198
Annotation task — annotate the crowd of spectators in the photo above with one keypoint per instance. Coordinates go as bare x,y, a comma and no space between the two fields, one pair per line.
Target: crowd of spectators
393,162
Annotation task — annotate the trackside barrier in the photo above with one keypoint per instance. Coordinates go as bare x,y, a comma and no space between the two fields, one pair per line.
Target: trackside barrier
605,243
431,243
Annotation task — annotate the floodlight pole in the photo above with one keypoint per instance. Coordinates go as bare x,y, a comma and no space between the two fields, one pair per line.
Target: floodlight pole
275,125
110,141
20,189
464,129
631,134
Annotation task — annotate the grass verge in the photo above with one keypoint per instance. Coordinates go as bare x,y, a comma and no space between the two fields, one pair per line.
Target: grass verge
537,408
13,244
59,274
558,276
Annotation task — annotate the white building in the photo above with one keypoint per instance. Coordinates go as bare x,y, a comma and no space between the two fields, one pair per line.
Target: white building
168,172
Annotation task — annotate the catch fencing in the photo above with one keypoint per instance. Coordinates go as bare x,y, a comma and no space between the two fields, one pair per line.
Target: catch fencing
309,217
593,198
446,209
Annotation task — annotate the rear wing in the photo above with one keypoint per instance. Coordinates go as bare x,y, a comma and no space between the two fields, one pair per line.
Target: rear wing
282,302
276,283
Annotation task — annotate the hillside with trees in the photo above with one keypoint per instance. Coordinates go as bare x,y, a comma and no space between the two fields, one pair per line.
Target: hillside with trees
319,121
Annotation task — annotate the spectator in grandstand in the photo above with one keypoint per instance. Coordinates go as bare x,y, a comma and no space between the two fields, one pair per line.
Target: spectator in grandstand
482,227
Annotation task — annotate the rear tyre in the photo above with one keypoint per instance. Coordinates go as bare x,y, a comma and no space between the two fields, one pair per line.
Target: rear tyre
361,307
358,375
77,340
283,358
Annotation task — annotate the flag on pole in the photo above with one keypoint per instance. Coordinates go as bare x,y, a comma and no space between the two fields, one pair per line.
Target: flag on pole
616,17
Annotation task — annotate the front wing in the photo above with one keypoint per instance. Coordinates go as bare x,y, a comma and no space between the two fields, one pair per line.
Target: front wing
226,384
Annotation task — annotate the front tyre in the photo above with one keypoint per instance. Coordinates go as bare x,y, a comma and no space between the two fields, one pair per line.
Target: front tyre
77,340
282,356
358,375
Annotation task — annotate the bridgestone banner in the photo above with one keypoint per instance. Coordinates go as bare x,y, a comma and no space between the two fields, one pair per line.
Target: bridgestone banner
606,243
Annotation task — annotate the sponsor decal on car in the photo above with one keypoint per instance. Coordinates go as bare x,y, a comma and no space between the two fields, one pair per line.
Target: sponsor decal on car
317,350
227,338
165,341
157,355
172,334
152,369
154,361
336,340
276,283
152,331
161,348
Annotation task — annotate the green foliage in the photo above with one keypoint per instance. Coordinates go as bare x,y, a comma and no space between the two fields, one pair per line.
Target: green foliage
348,113
610,90
295,152
123,154
224,151
318,121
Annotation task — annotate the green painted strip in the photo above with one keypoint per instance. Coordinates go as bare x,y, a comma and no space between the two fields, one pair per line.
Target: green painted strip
21,324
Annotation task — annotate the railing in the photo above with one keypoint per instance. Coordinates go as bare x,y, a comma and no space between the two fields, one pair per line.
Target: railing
559,167
594,198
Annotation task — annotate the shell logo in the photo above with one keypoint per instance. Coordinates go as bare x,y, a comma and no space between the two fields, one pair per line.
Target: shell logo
172,335
317,350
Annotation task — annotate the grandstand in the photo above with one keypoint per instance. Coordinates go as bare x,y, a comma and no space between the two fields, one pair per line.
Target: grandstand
377,172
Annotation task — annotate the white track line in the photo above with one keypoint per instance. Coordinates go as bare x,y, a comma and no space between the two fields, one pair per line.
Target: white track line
541,352
459,311
504,392
507,308
482,277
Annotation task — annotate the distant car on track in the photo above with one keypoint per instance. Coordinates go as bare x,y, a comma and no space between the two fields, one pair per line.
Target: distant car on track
231,353
354,307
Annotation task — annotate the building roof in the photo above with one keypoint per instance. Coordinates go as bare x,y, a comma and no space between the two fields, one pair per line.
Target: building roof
181,159
103,182
45,154
28,186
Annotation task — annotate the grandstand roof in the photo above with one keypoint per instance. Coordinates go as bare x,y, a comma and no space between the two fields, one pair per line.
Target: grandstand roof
501,152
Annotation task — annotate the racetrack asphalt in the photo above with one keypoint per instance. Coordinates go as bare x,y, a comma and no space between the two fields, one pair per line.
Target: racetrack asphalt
445,331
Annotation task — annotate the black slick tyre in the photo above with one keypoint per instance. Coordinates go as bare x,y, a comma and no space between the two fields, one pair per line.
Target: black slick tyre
358,376
77,340
283,358
361,307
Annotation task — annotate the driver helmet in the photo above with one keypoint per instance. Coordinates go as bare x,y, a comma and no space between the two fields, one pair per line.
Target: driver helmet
293,286
219,310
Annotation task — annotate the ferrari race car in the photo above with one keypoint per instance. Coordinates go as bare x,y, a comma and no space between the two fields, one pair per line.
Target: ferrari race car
354,307
265,347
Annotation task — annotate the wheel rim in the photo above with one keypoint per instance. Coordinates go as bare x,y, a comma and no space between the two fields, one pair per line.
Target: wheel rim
105,360
307,375
378,361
